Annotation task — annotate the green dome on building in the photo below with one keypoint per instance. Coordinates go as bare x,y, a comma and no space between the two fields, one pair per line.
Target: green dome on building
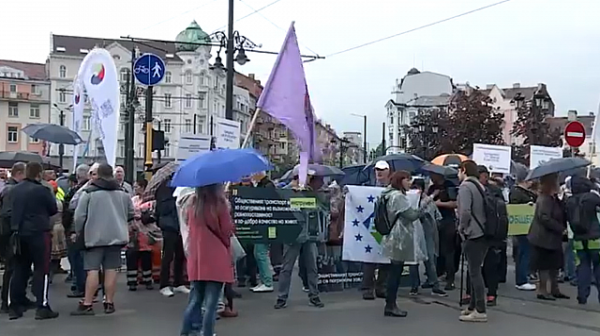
189,38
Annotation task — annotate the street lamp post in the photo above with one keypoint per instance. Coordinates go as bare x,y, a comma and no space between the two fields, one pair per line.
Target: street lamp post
364,134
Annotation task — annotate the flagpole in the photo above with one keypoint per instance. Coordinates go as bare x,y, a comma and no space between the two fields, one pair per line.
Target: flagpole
593,142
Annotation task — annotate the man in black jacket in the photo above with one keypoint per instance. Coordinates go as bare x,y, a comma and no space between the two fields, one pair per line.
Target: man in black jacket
17,174
32,206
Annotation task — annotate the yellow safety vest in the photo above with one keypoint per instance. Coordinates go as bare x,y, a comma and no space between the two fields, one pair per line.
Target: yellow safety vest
60,194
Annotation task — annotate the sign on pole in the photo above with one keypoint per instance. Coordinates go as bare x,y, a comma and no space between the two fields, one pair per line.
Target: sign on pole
541,154
496,158
149,69
575,134
192,144
227,133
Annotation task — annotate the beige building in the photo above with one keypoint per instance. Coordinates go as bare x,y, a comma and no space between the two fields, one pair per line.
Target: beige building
24,99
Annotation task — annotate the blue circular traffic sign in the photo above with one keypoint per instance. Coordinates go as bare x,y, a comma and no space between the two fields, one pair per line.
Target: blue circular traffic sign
149,69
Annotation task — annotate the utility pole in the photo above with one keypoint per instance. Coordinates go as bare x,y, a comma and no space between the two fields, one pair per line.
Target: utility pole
230,70
365,139
149,118
383,139
130,129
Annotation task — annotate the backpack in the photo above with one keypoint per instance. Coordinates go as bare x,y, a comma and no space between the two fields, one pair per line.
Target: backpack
496,216
382,222
579,224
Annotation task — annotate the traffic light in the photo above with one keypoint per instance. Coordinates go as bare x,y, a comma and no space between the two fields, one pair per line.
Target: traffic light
158,140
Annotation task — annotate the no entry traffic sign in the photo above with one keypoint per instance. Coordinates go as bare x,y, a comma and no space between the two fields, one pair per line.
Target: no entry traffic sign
575,134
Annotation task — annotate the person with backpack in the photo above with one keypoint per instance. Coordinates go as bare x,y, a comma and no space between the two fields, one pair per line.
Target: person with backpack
546,233
582,216
472,223
397,221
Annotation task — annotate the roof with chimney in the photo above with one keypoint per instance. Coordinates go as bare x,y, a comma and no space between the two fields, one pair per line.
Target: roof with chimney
31,71
79,46
516,90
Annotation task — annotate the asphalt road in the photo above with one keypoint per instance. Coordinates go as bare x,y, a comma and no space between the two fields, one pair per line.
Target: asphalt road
146,313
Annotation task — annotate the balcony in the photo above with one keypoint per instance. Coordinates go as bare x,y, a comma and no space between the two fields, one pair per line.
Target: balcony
19,96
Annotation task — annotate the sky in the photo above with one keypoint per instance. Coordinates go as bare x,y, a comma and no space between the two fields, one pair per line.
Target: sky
520,41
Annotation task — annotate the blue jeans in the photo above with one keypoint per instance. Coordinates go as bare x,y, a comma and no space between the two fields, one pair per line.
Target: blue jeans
588,266
415,278
75,257
261,255
522,260
195,319
569,268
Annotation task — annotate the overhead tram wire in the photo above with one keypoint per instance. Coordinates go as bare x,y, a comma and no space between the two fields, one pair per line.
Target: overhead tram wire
276,26
179,15
418,28
256,11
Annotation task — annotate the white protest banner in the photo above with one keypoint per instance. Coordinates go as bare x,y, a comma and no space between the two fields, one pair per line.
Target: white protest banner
361,241
98,74
540,154
192,144
227,133
496,158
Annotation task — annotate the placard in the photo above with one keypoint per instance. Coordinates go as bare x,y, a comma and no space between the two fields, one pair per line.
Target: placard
192,144
540,154
519,218
227,133
496,158
269,215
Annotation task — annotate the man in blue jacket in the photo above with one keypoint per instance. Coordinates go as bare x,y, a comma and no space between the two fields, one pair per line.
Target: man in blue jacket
32,206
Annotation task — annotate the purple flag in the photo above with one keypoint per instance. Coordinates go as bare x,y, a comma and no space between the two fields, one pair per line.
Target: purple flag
286,97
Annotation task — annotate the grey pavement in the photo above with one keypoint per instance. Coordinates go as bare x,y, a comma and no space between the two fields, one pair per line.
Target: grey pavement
144,313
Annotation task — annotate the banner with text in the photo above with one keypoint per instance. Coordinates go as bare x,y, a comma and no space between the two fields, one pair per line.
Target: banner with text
496,158
519,218
268,215
541,154
192,144
227,133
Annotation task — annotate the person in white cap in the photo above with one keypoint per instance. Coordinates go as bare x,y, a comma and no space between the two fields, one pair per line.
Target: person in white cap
372,287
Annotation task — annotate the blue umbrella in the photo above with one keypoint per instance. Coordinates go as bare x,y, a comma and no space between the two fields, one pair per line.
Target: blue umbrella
220,166
557,166
52,133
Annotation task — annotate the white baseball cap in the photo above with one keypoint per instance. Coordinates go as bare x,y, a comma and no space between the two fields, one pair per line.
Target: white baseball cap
382,165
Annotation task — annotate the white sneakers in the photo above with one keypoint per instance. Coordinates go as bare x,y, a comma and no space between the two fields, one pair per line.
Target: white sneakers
262,289
168,292
526,287
472,316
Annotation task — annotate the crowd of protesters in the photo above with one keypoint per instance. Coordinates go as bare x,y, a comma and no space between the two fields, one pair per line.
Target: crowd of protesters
99,215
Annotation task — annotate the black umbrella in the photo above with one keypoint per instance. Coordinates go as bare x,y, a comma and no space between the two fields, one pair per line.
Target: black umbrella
8,159
355,175
316,170
400,161
557,166
440,170
52,133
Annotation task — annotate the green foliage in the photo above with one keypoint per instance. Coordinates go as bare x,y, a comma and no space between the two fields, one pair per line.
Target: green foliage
531,126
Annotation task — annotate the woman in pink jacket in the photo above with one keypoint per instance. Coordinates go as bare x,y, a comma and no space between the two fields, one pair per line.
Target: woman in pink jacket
209,262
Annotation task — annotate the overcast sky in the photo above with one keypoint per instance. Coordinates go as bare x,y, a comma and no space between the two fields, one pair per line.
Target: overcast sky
525,41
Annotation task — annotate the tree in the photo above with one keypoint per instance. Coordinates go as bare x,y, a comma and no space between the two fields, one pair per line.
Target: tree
532,128
473,119
426,132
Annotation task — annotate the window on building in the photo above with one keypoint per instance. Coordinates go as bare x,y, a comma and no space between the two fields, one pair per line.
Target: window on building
546,104
202,78
34,140
189,79
62,71
282,145
242,125
188,125
188,100
12,134
167,125
121,148
62,96
141,150
167,100
34,111
13,110
13,88
35,89
202,97
87,123
167,150
168,77
124,74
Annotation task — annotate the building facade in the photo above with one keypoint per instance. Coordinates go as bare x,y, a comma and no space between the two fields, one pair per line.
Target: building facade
504,99
24,99
417,90
190,95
